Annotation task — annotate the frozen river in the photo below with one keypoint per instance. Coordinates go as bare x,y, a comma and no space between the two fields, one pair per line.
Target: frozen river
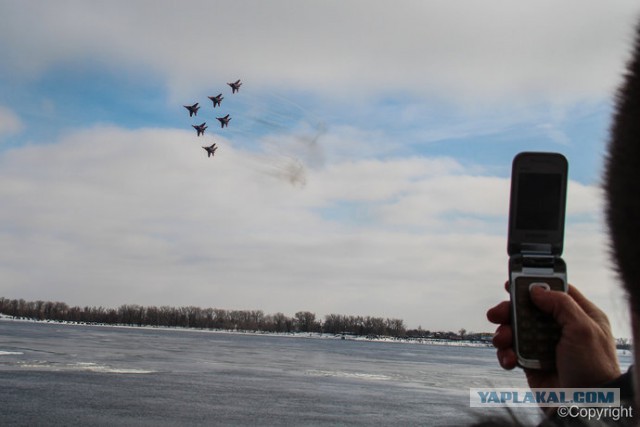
53,374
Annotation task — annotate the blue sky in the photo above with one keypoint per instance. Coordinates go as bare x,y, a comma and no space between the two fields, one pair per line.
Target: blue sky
364,171
69,97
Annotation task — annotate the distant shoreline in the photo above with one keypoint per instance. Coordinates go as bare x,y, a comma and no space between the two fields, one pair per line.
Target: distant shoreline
307,335
312,335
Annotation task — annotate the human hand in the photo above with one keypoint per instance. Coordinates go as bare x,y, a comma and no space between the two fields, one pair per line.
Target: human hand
585,354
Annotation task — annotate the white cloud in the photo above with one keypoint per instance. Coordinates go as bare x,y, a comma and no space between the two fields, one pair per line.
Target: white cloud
463,50
108,216
327,217
584,199
446,195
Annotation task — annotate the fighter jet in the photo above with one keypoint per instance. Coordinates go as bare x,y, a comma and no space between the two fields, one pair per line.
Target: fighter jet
235,86
200,128
211,150
224,121
193,109
216,100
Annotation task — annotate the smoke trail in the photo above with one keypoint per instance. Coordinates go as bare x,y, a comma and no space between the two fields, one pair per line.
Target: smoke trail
312,150
286,134
289,169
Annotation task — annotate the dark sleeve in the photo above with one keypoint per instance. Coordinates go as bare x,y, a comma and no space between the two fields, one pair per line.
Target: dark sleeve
625,383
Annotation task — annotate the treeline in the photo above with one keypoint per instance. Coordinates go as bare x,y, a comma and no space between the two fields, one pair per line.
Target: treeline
205,318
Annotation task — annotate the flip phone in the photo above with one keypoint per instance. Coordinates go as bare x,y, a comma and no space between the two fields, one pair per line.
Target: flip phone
536,234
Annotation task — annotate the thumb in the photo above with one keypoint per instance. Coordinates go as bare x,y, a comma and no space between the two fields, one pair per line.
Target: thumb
558,304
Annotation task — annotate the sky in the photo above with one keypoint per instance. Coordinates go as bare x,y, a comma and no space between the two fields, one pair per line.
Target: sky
365,171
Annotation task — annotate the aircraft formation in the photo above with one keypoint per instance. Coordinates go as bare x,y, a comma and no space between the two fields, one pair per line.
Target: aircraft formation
224,121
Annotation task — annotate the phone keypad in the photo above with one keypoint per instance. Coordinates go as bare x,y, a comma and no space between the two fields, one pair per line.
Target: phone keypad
537,334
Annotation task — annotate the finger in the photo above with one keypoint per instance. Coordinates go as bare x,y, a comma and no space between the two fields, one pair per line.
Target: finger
590,308
507,286
503,338
507,358
564,309
500,313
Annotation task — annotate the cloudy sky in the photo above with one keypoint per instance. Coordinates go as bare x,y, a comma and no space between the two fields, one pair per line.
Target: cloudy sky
365,170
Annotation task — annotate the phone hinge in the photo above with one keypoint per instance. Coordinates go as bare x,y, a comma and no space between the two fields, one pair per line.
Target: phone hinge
536,249
538,260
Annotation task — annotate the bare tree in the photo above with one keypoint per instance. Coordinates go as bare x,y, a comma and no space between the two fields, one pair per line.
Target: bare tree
305,321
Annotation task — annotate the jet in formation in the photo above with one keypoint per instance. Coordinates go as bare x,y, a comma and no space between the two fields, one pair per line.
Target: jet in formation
193,109
224,121
200,128
211,150
216,100
235,86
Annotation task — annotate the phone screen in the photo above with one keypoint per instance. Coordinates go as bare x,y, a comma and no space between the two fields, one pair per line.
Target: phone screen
539,201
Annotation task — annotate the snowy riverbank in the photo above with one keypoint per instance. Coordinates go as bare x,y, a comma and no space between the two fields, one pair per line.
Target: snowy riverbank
308,335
